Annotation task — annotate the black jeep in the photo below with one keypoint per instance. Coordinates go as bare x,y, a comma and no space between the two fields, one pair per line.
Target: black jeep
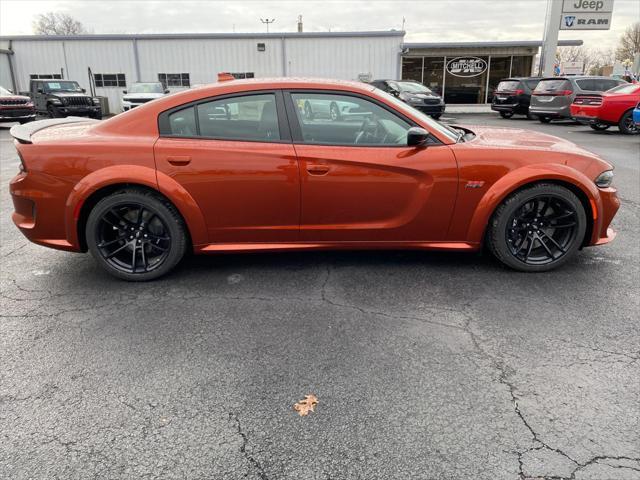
513,95
63,98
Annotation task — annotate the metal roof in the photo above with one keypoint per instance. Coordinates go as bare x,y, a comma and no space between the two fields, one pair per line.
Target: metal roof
505,44
172,36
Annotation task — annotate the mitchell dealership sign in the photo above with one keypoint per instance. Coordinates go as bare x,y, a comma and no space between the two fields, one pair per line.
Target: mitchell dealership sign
466,66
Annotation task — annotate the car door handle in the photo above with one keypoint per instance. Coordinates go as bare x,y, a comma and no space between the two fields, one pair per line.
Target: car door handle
179,160
318,169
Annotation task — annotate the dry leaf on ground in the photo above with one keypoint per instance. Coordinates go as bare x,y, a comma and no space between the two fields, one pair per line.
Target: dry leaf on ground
303,407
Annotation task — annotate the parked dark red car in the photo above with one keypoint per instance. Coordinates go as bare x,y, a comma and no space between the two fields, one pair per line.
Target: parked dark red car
15,108
613,107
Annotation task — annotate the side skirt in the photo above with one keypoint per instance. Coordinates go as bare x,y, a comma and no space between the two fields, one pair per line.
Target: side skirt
262,247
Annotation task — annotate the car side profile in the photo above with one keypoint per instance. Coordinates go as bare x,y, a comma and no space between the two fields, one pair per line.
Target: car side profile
613,107
552,97
415,94
238,167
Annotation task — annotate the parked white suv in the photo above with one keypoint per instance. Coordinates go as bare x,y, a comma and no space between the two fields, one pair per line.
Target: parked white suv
140,93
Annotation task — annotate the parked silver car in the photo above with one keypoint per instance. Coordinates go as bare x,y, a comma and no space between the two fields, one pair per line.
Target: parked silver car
552,97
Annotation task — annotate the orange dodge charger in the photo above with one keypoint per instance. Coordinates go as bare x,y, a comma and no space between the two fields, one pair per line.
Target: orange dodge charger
288,164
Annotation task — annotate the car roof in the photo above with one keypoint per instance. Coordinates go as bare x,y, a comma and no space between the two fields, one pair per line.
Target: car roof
579,77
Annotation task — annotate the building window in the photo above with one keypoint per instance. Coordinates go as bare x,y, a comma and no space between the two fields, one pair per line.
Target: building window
40,76
243,75
261,47
174,79
110,80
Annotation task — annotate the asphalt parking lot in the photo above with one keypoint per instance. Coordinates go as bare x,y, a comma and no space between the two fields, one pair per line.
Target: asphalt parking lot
426,365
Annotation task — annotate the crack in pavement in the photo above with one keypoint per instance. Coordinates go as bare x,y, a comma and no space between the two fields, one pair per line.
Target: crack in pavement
243,448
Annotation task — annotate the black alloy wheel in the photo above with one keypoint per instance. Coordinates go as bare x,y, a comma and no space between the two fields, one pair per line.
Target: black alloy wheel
506,114
136,235
599,127
538,228
627,125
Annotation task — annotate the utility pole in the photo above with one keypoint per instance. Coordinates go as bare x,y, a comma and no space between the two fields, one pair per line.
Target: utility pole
267,21
550,39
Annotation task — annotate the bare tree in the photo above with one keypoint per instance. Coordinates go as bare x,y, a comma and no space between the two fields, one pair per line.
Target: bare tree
629,43
56,23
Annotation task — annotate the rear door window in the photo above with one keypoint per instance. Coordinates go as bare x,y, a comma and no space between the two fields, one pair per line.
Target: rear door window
183,122
605,84
587,84
553,85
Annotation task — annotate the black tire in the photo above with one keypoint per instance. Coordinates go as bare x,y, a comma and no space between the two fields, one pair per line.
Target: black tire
52,111
141,224
22,122
551,239
544,119
334,112
599,127
627,125
436,116
506,114
530,116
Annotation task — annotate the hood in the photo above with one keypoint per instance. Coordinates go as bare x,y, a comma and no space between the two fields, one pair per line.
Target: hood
14,97
67,94
128,96
524,139
418,95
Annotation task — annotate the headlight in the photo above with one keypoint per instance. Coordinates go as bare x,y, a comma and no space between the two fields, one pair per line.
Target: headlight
96,101
604,179
414,100
56,101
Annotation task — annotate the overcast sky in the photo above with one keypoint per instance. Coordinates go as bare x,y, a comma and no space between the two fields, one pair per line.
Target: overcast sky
426,20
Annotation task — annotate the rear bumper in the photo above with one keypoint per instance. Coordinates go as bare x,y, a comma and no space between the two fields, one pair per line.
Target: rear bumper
510,107
39,212
550,112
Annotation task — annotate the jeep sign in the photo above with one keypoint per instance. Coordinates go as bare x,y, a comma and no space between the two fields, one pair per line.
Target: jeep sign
586,14
587,6
466,66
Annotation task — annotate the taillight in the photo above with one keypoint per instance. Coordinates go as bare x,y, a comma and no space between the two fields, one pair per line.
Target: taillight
518,92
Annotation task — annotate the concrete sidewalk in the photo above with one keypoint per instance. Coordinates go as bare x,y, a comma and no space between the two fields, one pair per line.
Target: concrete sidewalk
468,108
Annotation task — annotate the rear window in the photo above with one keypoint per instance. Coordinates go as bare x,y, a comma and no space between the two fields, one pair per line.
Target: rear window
553,85
507,85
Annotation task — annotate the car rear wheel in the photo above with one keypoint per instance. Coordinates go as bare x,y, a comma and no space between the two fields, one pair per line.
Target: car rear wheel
506,114
544,119
599,126
538,228
436,116
627,125
136,235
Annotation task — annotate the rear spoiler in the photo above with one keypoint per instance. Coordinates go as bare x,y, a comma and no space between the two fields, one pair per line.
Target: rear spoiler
22,133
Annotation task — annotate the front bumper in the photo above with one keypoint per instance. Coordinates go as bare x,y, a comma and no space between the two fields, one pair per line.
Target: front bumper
16,114
604,213
430,109
84,111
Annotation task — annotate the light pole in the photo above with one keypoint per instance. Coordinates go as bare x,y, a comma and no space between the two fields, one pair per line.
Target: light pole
267,21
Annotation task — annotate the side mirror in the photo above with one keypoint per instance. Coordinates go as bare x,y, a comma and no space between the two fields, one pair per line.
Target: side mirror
417,137
40,90
166,90
124,91
84,90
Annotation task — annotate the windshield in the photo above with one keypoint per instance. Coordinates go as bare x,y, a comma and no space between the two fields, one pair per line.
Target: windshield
625,88
62,86
412,87
425,119
4,92
146,88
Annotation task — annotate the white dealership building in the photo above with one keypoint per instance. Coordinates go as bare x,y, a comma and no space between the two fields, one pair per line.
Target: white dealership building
109,64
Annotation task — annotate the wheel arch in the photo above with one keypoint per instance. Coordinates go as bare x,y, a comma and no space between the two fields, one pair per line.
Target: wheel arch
97,185
558,175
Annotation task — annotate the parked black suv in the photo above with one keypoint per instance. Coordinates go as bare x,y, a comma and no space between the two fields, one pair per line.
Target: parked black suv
415,94
513,95
63,98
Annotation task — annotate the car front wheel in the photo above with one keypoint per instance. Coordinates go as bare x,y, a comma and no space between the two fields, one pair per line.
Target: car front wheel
136,235
506,114
627,125
538,228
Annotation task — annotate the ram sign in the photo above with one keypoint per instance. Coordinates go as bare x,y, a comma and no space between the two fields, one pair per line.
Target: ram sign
586,15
